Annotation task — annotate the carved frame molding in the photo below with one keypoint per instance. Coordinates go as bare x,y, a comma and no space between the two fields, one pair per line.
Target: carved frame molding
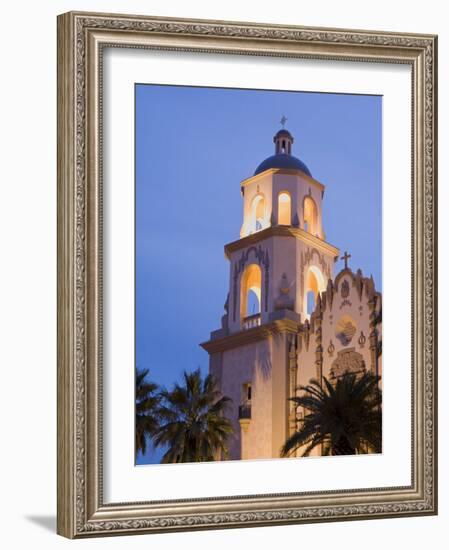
81,38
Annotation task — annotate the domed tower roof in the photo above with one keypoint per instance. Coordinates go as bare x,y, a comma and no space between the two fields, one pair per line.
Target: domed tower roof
283,133
283,157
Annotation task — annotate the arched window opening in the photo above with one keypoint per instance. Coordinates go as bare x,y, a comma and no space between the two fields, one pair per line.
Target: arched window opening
258,213
311,292
253,302
245,407
310,216
314,285
246,392
310,302
250,296
284,209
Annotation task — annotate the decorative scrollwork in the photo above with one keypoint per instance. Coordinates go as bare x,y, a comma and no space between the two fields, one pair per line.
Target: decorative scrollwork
308,257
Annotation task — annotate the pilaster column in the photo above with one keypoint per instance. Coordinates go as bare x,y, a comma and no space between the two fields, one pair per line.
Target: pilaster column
293,378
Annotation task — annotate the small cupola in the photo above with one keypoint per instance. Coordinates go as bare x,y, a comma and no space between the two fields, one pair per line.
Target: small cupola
283,141
283,158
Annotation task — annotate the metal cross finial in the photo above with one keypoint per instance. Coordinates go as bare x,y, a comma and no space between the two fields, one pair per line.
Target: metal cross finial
283,120
346,257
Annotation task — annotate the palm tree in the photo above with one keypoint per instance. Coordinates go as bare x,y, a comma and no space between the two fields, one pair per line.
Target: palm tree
345,417
193,425
147,405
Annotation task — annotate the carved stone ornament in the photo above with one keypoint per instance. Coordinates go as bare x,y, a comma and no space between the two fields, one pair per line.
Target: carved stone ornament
347,362
306,331
308,257
284,300
345,289
362,339
82,511
345,331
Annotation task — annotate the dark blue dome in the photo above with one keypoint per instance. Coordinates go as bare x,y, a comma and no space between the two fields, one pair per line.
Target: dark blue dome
282,160
283,133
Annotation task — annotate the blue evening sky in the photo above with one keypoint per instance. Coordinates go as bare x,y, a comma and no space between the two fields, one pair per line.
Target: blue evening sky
193,147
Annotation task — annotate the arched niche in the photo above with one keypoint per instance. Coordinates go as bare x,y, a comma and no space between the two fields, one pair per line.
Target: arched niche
284,208
310,215
250,292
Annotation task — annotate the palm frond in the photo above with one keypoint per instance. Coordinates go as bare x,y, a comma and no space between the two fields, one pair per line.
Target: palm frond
343,416
192,420
147,400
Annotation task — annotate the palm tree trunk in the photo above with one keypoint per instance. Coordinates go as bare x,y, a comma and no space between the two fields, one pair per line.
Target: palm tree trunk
342,447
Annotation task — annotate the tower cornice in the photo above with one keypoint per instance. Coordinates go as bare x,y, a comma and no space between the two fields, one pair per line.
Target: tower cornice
281,231
251,335
287,171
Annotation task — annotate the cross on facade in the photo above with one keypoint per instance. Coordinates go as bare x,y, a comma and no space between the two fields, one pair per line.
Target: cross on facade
283,120
345,257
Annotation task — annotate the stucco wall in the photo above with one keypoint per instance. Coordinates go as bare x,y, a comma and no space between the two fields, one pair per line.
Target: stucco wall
250,363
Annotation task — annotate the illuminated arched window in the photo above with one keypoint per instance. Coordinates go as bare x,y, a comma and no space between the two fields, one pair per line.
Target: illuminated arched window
250,292
258,213
284,209
310,216
314,285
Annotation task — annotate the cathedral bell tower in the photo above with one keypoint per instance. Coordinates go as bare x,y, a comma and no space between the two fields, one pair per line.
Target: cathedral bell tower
278,268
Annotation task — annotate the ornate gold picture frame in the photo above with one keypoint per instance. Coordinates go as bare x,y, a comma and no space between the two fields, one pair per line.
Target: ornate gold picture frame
82,40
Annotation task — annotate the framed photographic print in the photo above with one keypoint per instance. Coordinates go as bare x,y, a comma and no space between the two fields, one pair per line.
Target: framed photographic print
246,274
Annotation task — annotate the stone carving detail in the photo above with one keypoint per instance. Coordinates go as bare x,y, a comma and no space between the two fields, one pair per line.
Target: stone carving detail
263,260
331,349
362,339
306,334
299,342
373,335
293,366
348,361
317,322
387,506
345,289
330,293
284,300
345,331
358,283
225,317
308,257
